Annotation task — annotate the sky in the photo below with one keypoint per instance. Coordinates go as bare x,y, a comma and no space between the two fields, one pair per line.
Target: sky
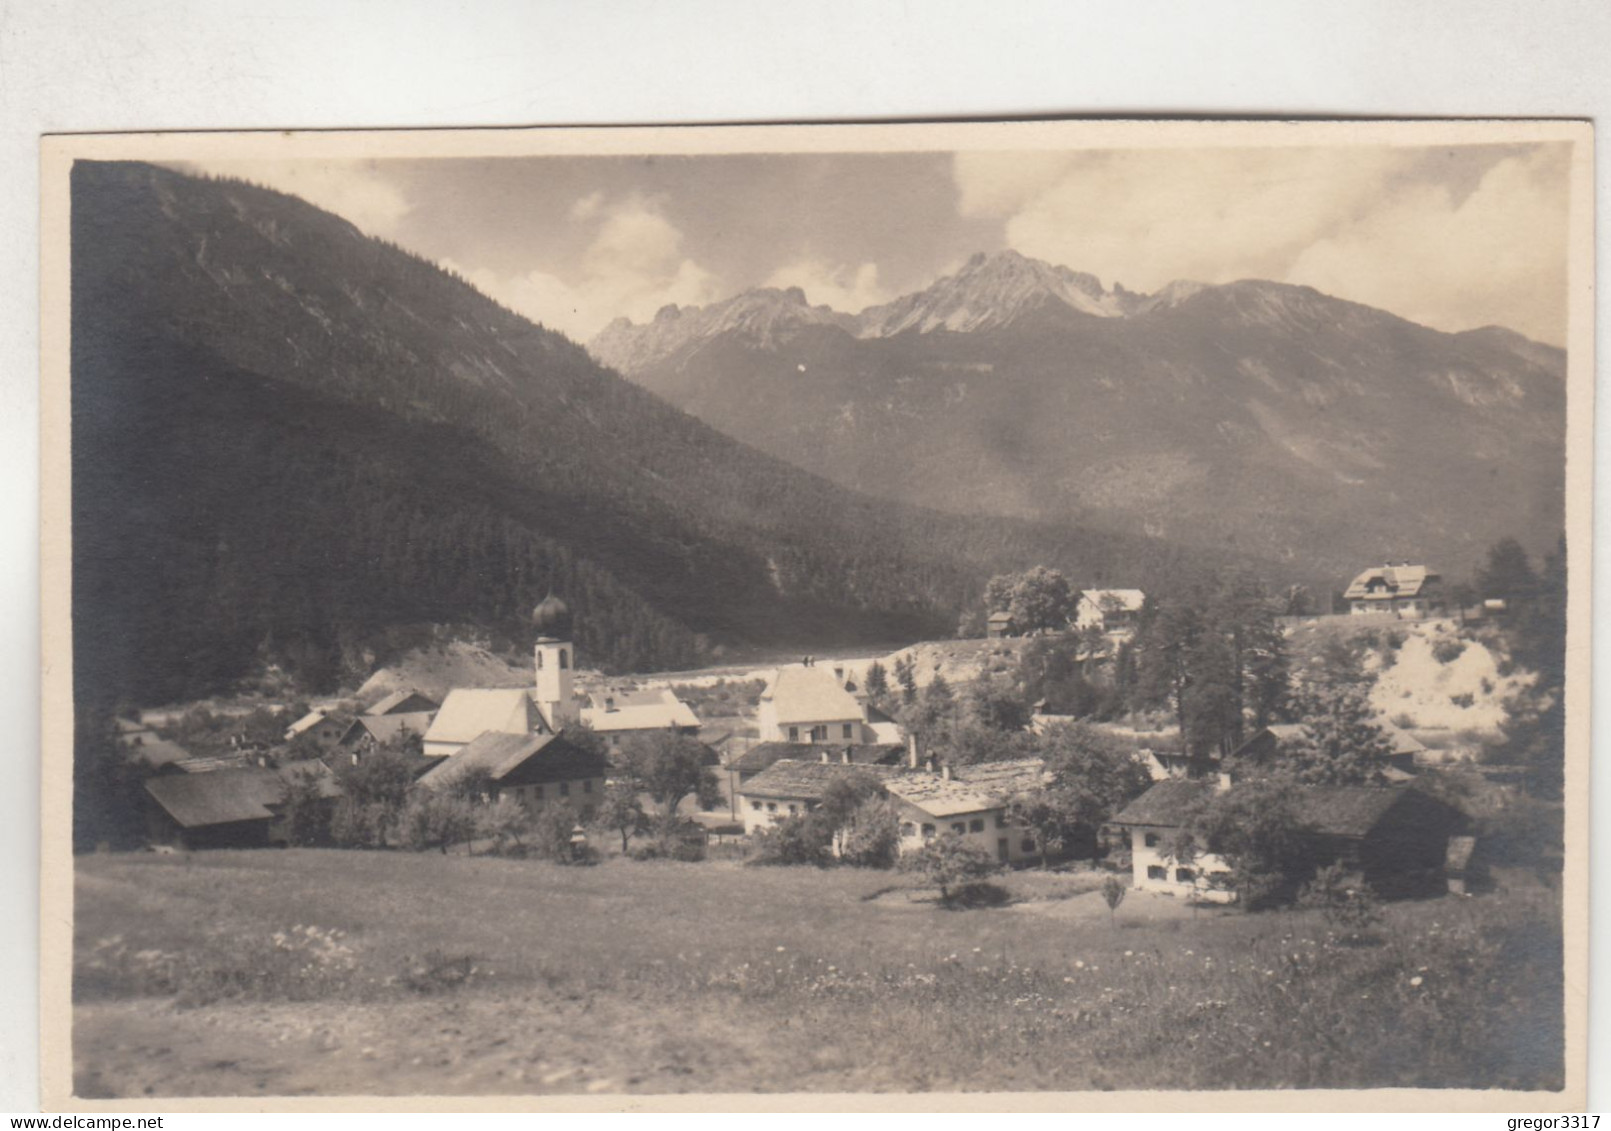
1451,237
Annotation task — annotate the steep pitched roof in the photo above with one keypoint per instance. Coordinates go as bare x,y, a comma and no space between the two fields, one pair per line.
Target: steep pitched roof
1003,779
765,754
1396,581
405,701
306,723
942,797
644,711
226,796
796,780
468,713
810,695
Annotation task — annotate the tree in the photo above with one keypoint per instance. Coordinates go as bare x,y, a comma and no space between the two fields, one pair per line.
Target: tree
929,718
305,809
1341,742
951,864
792,841
107,786
871,835
622,813
1091,775
1046,815
669,767
1041,601
1113,891
1507,575
1256,829
998,592
877,682
503,822
436,820
906,676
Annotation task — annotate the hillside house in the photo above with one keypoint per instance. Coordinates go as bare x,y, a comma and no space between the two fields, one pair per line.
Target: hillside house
1402,590
323,727
537,770
236,807
811,704
618,714
1396,837
366,732
999,625
404,702
468,713
1114,611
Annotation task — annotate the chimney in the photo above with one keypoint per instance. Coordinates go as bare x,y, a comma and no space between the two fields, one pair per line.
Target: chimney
839,672
609,703
911,751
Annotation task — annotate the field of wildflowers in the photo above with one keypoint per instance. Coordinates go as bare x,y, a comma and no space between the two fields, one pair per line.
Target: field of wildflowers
798,979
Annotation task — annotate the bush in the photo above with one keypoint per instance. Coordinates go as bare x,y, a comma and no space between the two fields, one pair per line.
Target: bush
872,836
504,823
794,840
1449,650
951,864
1343,898
357,824
436,821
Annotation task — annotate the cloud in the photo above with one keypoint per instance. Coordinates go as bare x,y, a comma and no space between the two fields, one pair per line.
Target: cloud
1366,223
353,190
1498,256
846,289
633,265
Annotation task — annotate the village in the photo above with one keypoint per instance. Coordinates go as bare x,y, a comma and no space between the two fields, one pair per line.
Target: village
855,761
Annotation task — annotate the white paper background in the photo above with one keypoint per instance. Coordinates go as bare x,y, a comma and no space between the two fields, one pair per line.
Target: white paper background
79,65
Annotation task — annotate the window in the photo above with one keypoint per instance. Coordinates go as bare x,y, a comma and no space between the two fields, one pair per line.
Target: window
794,734
958,827
756,805
539,660
928,830
587,786
564,789
1027,844
1152,840
908,829
1157,872
564,659
976,825
793,810
1001,820
771,806
1184,875
848,730
538,790
819,733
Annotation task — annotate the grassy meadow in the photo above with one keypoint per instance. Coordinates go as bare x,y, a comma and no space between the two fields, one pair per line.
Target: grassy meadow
329,972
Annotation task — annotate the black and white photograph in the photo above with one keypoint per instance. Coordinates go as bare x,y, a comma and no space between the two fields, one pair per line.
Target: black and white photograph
577,616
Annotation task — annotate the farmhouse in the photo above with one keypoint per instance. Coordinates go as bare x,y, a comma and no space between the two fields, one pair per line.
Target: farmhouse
1111,610
790,788
811,704
239,807
766,754
1397,838
537,770
404,702
323,727
617,714
999,625
1402,590
366,732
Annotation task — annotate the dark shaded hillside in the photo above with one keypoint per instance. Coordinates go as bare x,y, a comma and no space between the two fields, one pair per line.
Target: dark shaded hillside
292,442
1269,419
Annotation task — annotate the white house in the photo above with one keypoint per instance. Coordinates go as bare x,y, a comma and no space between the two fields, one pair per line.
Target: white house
537,770
616,714
1150,821
810,704
1111,610
1402,590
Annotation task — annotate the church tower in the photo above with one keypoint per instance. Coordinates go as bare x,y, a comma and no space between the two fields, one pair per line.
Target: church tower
556,663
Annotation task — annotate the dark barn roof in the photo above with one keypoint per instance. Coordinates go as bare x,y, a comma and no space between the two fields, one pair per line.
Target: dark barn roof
766,754
228,796
519,759
1329,810
807,780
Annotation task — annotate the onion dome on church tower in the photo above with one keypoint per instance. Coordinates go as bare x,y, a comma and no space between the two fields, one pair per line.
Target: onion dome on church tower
552,618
